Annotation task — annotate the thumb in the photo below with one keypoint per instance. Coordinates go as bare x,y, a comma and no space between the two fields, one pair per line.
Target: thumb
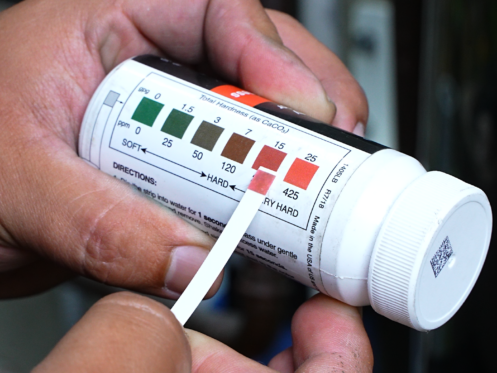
97,226
123,332
329,334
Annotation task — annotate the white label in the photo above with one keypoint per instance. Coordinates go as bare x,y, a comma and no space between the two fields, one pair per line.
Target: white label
196,152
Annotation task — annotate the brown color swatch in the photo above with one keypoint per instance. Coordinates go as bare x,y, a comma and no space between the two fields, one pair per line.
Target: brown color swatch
237,148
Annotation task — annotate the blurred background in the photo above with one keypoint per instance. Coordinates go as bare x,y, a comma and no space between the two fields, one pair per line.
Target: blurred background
429,69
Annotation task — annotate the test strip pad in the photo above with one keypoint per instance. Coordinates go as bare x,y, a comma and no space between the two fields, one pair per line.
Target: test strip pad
225,245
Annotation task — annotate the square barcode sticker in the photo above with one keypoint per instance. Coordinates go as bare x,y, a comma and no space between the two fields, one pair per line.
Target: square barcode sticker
441,257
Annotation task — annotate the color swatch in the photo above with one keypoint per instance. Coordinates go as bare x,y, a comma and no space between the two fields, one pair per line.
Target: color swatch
207,135
301,173
176,123
147,111
237,148
270,158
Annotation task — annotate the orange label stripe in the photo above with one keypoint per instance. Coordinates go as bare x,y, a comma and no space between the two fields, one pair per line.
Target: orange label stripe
239,95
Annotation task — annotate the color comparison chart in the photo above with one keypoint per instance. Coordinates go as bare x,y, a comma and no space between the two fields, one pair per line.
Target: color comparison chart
205,140
237,148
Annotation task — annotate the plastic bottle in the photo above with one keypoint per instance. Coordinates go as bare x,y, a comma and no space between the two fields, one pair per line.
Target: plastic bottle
355,220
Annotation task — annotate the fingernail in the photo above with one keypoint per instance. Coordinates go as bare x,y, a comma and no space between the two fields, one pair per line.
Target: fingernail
332,106
308,94
345,309
11,258
359,129
185,263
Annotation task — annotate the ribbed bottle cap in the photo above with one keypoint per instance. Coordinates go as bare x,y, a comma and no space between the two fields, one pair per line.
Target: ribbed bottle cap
430,251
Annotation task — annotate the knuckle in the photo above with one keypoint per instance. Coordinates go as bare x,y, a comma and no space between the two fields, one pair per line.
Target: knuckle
103,251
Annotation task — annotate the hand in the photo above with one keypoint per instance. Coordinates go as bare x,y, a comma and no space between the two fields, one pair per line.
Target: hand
59,216
126,332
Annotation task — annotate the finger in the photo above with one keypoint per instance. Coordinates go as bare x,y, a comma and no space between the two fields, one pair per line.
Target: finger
67,211
239,41
283,362
63,209
32,278
122,333
340,85
99,227
211,356
329,335
11,258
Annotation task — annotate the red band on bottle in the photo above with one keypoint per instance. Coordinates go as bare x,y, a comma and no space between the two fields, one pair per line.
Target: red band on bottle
239,95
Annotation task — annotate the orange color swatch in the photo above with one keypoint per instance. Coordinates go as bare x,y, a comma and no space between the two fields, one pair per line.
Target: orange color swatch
301,173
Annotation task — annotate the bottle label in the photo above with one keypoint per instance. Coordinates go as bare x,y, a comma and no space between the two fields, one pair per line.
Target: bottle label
195,150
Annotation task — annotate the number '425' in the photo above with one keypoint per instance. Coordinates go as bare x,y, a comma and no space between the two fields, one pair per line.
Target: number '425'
290,193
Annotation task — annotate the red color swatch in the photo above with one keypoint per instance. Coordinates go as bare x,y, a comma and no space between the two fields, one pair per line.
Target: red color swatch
261,182
269,158
301,173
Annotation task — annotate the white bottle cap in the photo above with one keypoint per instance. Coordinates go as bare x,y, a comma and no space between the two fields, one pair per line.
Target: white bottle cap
429,251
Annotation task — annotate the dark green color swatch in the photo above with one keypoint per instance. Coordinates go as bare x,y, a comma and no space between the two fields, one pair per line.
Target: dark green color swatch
147,111
207,135
176,123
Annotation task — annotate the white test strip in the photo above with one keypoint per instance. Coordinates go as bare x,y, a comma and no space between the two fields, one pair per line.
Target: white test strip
225,245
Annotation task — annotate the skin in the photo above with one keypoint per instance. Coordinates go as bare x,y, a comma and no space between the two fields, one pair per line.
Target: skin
127,332
60,217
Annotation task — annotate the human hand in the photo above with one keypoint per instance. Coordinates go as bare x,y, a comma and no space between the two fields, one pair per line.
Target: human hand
59,216
127,332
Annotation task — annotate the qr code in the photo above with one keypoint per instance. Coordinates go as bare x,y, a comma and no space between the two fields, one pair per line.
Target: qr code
441,257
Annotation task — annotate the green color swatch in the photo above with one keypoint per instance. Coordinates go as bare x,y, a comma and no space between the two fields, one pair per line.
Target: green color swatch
147,111
207,135
176,123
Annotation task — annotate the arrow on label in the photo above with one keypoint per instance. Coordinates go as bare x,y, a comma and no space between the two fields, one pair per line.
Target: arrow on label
202,174
145,151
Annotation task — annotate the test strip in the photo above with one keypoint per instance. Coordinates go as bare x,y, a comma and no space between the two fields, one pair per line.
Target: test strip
224,247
